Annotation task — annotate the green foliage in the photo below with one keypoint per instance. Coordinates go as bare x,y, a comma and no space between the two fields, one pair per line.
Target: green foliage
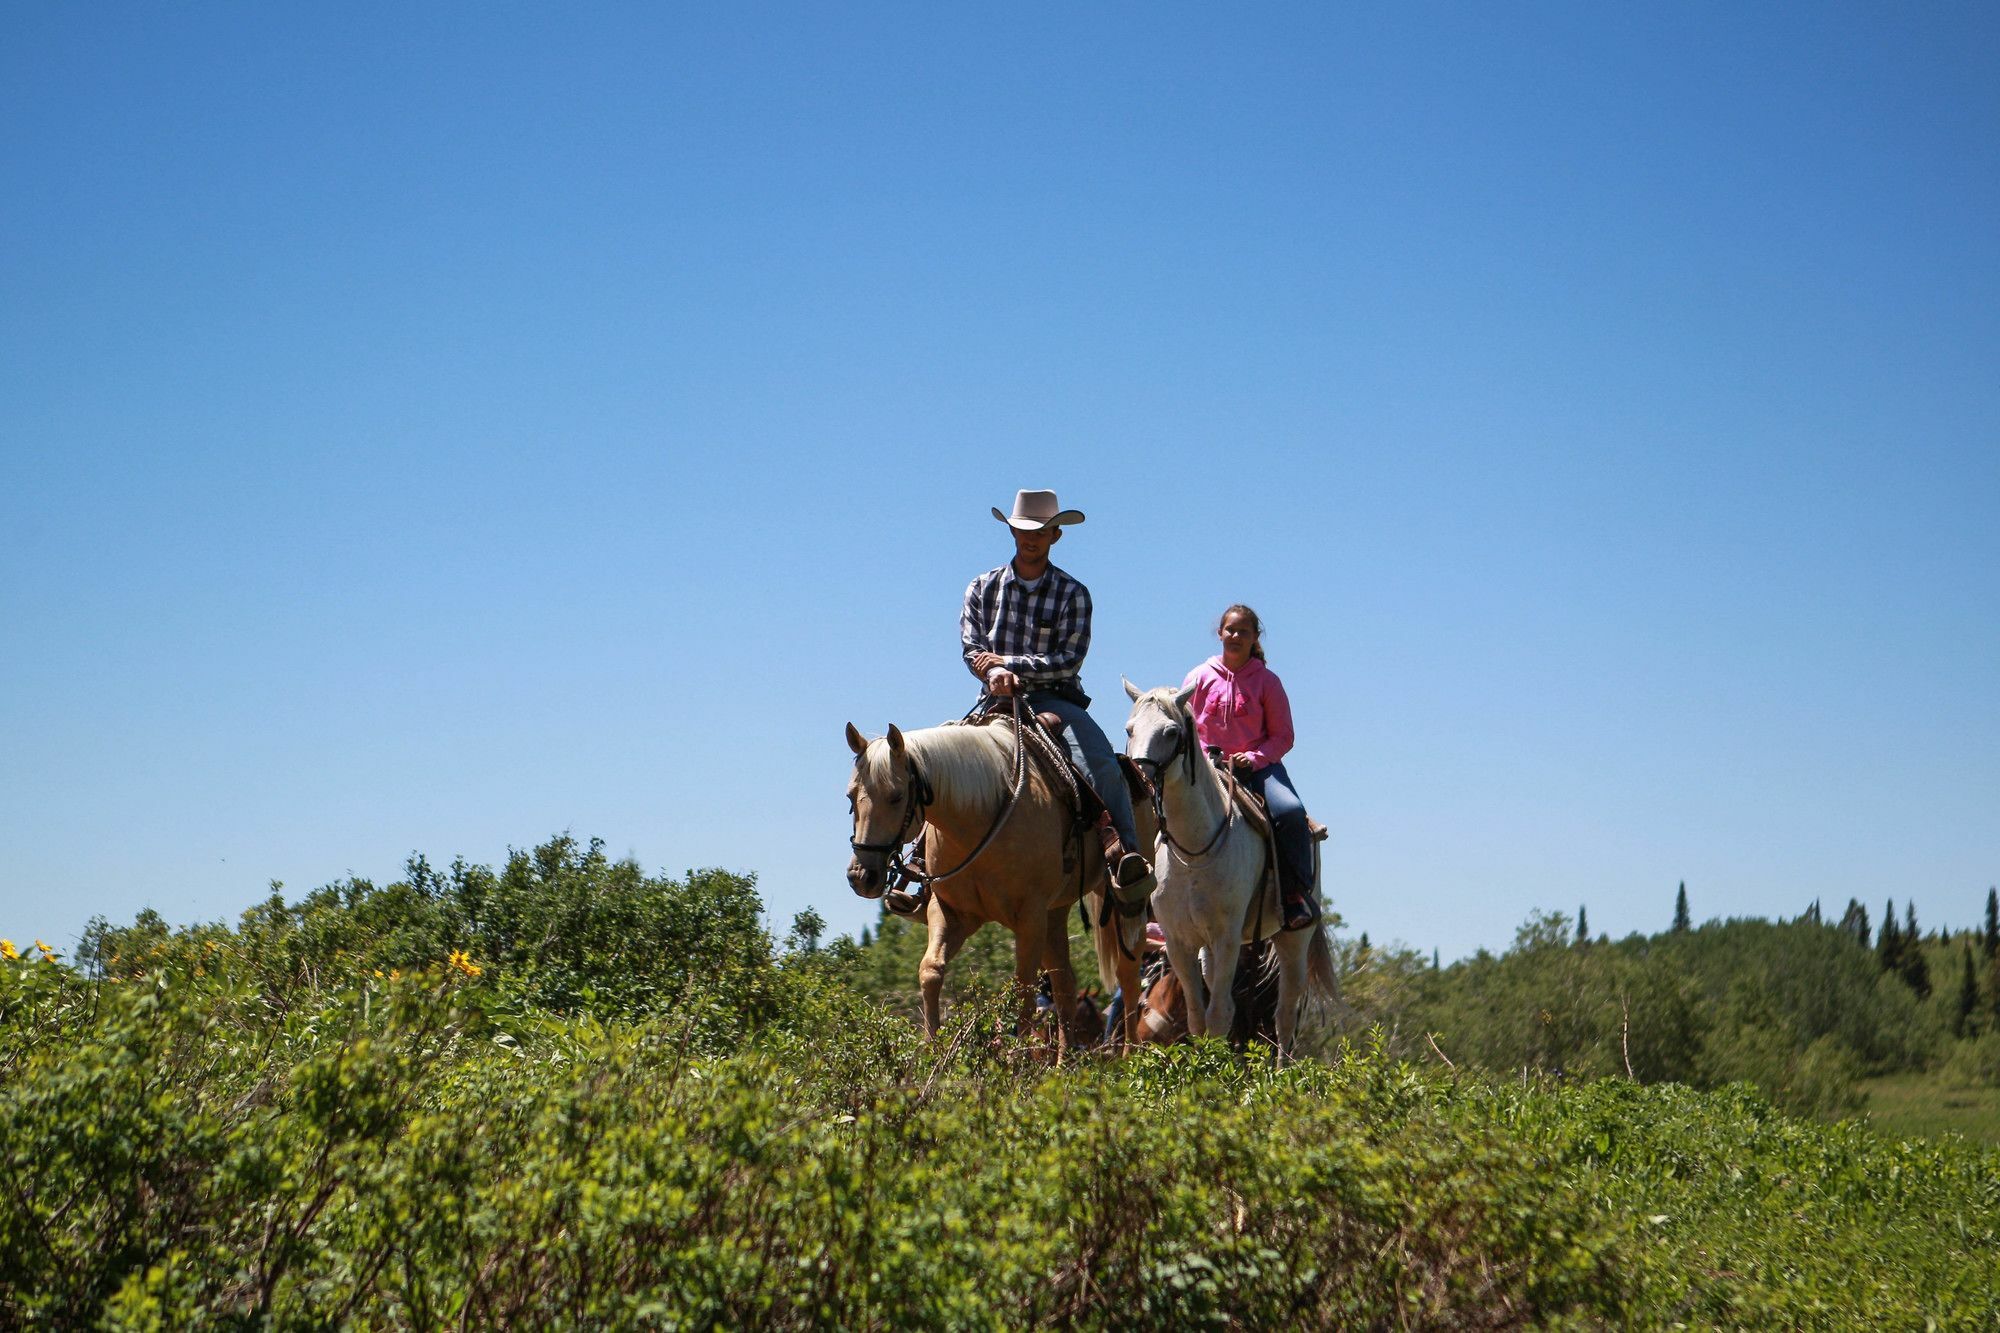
571,929
1974,1063
567,1095
1799,1009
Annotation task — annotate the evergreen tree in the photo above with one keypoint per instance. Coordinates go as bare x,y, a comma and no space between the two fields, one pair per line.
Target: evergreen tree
1681,921
1582,925
1993,923
1434,958
1993,992
1887,950
1855,922
1910,943
1811,915
1968,995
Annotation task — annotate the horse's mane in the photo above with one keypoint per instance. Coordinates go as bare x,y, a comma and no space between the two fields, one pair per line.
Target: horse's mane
965,765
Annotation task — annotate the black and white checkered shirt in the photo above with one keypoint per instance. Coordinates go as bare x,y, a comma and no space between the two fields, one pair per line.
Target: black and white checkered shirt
1041,635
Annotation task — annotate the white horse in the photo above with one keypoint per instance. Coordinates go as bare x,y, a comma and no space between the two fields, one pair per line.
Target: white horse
1211,862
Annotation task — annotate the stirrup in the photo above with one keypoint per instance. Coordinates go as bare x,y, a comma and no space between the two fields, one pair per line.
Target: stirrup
907,904
1305,903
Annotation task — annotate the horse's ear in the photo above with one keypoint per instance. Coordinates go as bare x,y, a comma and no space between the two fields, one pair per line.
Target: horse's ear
1132,691
855,740
895,741
1181,697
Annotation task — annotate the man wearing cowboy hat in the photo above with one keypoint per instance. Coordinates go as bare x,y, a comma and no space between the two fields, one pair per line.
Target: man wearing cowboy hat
1025,629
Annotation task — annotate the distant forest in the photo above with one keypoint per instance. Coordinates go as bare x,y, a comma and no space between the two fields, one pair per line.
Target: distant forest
1804,1009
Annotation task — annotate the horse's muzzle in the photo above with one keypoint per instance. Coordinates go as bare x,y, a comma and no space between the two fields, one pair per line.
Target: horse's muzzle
866,880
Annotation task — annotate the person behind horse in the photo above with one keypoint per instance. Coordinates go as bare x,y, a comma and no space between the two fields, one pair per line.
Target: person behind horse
1240,708
1024,630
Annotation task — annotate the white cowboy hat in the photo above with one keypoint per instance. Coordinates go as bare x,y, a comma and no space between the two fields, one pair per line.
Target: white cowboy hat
1035,510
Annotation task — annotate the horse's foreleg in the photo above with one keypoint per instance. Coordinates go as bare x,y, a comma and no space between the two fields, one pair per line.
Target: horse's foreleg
1128,985
1221,986
1029,939
1062,976
948,932
1186,962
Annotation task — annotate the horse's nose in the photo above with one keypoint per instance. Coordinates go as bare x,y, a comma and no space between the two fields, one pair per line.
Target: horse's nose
859,877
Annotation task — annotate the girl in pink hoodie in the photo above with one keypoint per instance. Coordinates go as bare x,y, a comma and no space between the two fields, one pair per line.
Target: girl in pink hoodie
1240,708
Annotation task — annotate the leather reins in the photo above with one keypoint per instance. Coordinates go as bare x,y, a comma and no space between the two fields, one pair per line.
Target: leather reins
921,798
1184,751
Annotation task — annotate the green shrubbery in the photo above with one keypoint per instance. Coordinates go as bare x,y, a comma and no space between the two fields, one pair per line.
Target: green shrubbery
566,1094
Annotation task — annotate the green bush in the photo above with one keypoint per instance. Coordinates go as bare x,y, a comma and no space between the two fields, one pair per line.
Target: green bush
485,1099
1974,1062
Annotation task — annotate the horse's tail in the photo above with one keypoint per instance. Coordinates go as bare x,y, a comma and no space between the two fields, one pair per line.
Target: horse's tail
1322,978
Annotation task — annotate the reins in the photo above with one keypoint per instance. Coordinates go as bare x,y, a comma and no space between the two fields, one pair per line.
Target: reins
1184,751
921,798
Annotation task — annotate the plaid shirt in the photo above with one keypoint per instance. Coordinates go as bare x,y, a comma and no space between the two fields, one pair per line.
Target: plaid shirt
1041,636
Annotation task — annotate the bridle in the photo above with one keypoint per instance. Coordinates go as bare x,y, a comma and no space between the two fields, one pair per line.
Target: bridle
1184,751
922,797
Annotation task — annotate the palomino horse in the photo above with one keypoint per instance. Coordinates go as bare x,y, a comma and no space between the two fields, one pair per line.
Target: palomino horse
999,847
1212,898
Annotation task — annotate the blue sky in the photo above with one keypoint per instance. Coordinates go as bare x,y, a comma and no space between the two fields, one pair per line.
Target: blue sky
430,430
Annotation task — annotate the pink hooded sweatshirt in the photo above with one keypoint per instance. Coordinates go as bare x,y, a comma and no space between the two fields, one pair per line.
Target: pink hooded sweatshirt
1244,712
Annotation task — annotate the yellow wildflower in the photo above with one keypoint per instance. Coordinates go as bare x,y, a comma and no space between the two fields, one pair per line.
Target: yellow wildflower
9,952
48,954
465,964
378,973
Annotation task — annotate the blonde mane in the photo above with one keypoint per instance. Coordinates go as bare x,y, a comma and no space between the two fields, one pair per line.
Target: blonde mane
969,767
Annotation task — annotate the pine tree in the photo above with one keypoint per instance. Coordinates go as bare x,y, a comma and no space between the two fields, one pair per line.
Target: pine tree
1855,922
1887,950
1968,995
1811,915
1434,958
1993,923
1912,964
1993,992
1582,925
1681,921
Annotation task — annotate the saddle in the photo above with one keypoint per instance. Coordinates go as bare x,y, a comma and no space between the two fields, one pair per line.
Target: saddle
1089,810
1257,815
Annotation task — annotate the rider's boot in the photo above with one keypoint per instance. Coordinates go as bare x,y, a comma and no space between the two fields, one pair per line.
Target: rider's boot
1299,909
1132,882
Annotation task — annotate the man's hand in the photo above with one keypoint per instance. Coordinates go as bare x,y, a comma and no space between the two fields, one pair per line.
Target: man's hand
1002,683
1242,763
984,663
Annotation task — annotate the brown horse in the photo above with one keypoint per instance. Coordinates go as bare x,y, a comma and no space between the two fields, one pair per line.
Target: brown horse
998,846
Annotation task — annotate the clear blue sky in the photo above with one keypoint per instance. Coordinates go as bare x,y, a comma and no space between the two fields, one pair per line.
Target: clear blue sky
430,428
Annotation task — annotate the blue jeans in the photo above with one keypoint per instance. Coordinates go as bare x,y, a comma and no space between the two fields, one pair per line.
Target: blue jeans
1288,821
1099,762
